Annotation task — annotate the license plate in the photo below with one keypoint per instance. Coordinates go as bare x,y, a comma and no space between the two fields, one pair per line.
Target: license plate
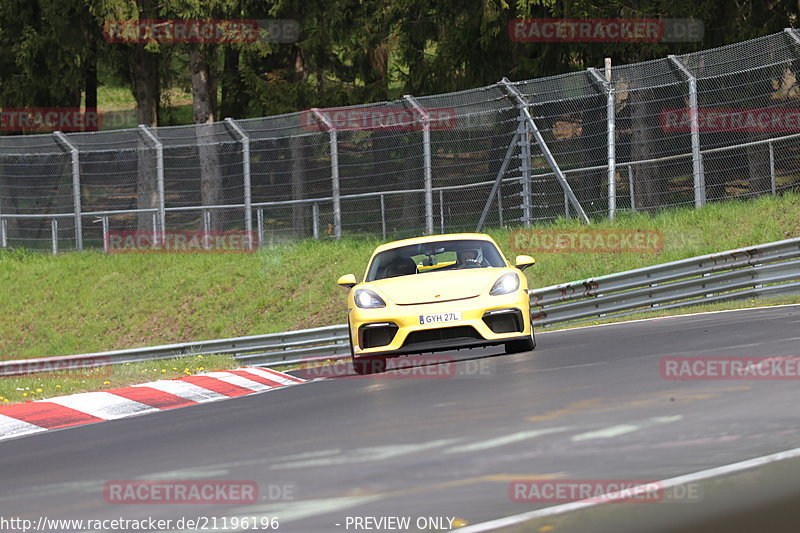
439,317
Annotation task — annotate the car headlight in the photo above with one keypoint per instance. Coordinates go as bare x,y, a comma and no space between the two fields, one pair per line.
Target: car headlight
505,284
367,299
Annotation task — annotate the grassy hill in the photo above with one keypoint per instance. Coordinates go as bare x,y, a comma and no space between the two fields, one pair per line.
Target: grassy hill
89,301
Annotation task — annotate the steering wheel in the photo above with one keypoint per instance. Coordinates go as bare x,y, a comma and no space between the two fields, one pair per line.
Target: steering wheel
472,263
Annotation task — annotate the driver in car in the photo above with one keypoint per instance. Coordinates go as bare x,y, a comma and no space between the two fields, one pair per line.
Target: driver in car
468,259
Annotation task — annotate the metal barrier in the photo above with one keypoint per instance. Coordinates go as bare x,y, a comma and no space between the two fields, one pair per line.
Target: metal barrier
764,270
756,271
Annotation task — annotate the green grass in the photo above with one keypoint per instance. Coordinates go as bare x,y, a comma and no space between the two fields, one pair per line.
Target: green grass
118,107
14,389
89,301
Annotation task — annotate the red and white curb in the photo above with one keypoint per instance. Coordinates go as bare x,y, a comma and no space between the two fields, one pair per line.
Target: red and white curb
90,407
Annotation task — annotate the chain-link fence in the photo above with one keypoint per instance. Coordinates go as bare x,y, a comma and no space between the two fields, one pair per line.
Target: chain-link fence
679,131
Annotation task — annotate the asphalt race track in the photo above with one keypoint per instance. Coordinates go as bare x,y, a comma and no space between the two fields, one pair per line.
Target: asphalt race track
588,403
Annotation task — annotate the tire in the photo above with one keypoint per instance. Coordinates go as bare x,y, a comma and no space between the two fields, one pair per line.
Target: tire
364,366
524,345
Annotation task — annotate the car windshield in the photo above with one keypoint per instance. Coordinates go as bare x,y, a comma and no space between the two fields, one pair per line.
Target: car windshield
434,257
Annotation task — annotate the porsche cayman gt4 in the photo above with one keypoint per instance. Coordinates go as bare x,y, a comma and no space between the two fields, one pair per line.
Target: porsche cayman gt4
435,293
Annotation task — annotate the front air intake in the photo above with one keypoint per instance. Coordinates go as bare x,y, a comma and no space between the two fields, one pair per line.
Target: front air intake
375,335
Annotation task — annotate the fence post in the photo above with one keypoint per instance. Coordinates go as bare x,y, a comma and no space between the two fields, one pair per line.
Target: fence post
315,219
772,177
106,236
608,88
527,187
630,187
76,186
206,227
260,227
426,151
441,211
337,205
3,237
496,186
383,217
500,205
248,196
697,157
54,235
548,155
159,175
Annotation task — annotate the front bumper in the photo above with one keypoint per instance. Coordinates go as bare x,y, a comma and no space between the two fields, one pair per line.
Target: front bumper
396,330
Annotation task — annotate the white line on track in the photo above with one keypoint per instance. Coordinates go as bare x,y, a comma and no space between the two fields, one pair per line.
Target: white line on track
622,429
701,475
507,439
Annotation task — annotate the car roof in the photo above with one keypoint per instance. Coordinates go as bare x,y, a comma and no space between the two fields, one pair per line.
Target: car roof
434,238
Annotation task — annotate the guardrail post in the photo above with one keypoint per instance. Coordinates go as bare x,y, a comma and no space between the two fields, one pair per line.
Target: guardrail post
522,103
76,185
337,205
315,219
426,150
248,196
383,217
159,147
608,88
772,177
54,235
697,157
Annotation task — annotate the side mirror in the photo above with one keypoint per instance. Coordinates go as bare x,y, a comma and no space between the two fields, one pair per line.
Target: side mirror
348,281
524,261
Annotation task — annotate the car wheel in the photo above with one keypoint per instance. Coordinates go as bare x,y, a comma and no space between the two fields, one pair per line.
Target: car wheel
524,345
364,366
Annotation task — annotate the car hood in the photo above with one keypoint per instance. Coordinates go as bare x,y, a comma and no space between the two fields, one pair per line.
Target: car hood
438,286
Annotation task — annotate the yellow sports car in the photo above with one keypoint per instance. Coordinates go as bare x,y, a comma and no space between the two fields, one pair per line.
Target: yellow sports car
434,293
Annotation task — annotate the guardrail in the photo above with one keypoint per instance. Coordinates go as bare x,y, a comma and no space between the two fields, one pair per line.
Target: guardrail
763,270
271,349
756,271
